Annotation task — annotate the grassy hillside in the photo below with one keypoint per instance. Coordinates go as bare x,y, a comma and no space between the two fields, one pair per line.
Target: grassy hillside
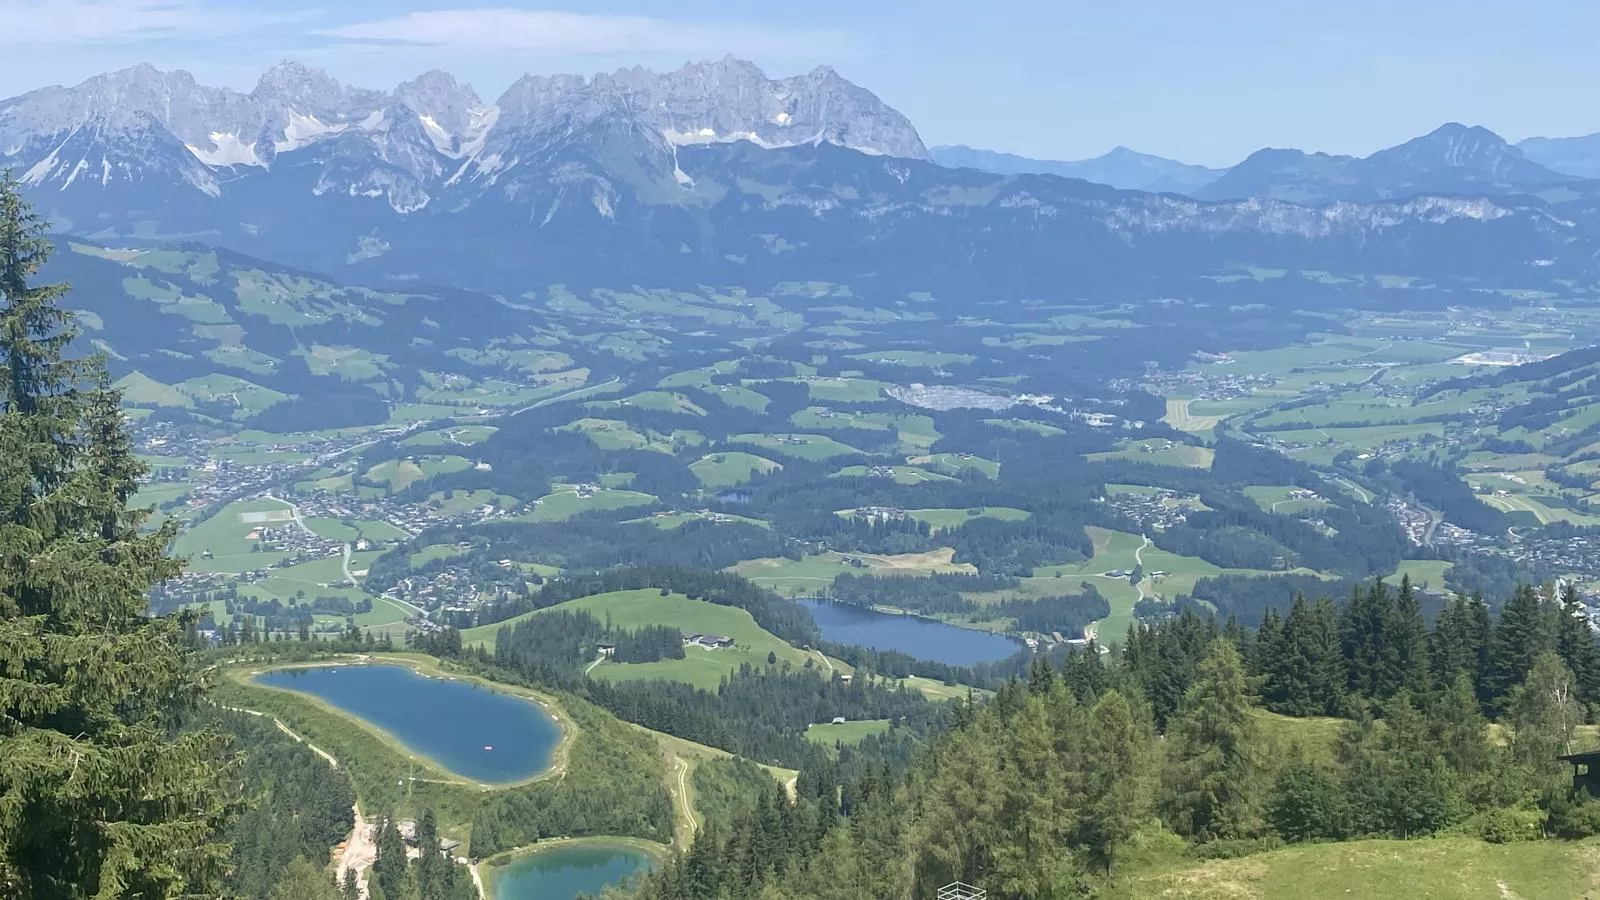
1442,868
636,609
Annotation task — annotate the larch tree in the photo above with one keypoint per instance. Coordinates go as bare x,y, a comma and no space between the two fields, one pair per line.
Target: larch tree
1216,770
102,793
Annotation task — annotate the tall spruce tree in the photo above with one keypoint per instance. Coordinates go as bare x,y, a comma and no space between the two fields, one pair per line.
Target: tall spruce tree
1407,637
1369,655
1305,673
1460,642
101,793
1526,630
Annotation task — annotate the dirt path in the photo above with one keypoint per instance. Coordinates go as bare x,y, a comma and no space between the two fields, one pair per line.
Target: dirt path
359,849
1138,561
359,853
826,662
680,791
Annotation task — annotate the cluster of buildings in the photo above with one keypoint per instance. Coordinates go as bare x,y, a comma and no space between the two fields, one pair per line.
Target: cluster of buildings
1157,510
1197,384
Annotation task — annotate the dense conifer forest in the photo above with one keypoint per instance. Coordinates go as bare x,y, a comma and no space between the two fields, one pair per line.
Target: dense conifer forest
1043,791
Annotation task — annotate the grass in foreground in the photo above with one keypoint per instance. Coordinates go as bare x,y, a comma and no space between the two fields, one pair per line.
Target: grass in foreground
1442,868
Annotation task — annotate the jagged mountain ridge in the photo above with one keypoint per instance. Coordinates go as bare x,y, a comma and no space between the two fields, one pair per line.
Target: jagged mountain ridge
426,130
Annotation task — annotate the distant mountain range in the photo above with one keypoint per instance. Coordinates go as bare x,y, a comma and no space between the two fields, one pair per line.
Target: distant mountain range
716,174
1576,156
1121,168
1452,160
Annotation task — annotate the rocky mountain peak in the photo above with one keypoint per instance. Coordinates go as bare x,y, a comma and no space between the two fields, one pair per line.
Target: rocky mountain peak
292,80
723,100
451,114
1474,151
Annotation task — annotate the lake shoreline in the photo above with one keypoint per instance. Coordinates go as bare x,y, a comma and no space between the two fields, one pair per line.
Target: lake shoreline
490,869
913,634
559,754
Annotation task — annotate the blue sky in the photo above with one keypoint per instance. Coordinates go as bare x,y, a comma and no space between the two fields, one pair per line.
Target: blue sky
1203,82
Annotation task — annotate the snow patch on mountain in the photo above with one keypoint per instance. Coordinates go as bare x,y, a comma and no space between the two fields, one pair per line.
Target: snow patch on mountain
303,130
226,150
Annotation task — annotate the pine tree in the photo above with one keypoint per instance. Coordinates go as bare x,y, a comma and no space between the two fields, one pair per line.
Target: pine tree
389,869
101,794
1457,727
1117,790
1421,795
1216,769
1460,642
1525,631
1306,673
303,881
1407,639
1369,656
1306,802
1264,657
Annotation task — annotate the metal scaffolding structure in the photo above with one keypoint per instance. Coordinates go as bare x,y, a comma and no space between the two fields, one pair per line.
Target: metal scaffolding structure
959,891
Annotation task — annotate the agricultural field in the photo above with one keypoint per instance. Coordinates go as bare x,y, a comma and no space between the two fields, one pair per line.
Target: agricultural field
1287,501
224,542
944,519
459,503
847,733
399,474
457,436
801,578
671,520
701,667
954,464
903,475
567,501
719,470
1161,453
809,447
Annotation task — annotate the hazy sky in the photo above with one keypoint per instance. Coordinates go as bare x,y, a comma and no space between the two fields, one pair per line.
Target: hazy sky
1203,82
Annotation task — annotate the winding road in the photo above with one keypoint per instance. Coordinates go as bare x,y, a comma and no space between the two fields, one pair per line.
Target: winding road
1138,562
546,401
681,792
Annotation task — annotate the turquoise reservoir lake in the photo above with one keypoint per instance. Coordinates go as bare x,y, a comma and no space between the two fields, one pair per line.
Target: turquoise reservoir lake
470,730
562,873
911,635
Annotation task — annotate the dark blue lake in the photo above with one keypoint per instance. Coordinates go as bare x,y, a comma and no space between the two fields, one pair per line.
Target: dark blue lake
911,635
562,873
453,723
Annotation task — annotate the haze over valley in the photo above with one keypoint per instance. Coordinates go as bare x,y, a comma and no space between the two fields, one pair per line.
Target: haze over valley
692,484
